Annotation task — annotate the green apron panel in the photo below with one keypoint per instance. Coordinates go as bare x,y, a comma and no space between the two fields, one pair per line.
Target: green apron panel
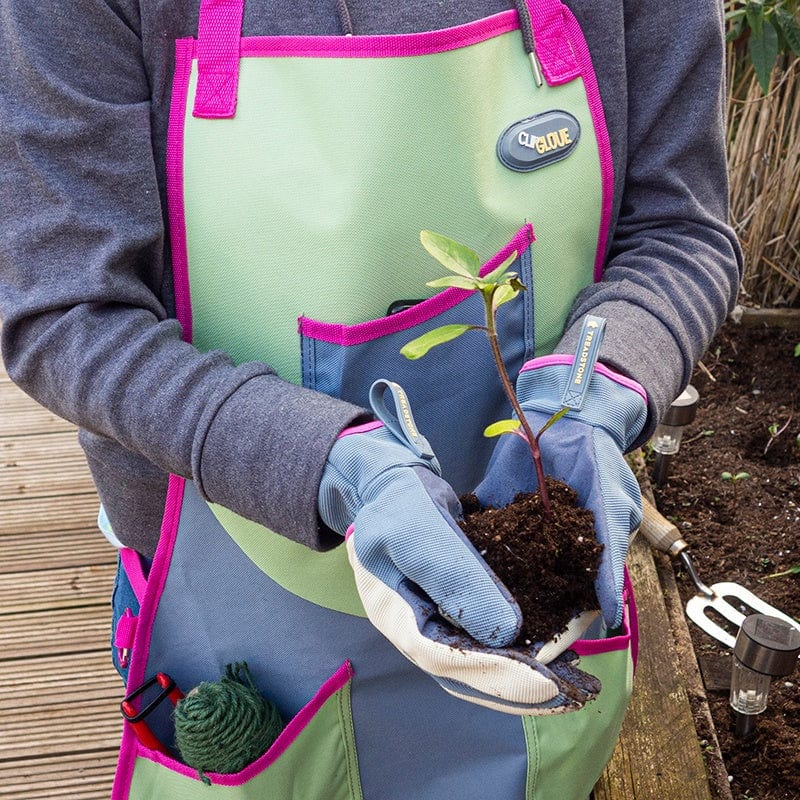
551,740
309,202
323,578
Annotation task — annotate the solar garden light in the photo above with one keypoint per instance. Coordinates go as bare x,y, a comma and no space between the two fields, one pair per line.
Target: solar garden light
666,440
766,647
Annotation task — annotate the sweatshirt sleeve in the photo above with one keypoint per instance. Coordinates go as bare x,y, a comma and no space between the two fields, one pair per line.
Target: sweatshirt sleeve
673,266
85,331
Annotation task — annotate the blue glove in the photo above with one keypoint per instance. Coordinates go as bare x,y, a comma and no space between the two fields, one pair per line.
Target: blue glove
419,578
584,449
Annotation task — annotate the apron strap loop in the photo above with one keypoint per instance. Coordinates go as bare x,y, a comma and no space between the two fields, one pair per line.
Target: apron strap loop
218,35
553,48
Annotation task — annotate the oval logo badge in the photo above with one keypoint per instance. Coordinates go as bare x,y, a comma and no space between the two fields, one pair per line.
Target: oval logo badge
538,141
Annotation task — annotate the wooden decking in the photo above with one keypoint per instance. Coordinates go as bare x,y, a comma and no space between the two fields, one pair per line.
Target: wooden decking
59,695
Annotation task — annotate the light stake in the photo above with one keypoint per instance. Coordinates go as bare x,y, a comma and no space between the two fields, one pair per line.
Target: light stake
666,440
766,647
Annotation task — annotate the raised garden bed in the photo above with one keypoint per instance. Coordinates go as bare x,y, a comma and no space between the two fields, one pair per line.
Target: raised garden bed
748,421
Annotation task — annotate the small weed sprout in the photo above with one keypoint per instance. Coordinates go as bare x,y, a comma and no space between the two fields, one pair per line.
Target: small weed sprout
735,479
795,570
497,287
775,432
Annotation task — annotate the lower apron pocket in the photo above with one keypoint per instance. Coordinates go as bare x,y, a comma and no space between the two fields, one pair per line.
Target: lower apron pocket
314,758
586,737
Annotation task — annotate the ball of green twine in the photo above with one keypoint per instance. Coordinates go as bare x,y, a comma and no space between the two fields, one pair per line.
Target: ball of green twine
225,725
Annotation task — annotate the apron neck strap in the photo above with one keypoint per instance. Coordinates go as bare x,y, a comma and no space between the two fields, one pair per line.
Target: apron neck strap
219,33
220,28
549,39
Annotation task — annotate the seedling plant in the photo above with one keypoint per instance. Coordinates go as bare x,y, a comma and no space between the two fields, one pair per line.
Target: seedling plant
735,479
498,287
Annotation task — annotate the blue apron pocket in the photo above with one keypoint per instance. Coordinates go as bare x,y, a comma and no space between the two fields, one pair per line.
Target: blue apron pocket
455,390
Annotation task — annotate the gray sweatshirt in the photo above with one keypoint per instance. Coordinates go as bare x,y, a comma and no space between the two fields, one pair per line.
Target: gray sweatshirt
86,293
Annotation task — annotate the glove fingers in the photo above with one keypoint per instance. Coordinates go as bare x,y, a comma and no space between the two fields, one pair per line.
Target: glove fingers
574,688
433,552
510,680
605,485
618,512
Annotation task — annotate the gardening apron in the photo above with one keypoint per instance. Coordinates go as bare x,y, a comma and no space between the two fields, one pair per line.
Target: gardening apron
300,173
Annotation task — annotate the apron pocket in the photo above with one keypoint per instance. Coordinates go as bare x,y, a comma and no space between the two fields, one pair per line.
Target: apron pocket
588,736
314,758
456,382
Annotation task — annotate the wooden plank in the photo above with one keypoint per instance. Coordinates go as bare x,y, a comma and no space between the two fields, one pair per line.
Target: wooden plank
34,514
80,776
56,632
658,753
20,552
772,317
56,588
52,679
95,722
690,672
46,465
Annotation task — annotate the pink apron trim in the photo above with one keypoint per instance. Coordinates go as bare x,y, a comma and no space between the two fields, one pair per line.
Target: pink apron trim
129,749
175,206
339,679
553,48
560,359
365,427
218,34
348,335
629,636
601,135
132,564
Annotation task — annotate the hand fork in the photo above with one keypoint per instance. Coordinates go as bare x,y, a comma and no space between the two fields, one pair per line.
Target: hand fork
664,536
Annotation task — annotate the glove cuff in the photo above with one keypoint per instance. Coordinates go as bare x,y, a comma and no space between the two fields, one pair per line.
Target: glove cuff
601,369
613,402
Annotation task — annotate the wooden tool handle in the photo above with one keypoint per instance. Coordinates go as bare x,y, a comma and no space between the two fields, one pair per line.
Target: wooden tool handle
659,531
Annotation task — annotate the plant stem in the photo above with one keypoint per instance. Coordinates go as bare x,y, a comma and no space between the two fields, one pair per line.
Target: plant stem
533,442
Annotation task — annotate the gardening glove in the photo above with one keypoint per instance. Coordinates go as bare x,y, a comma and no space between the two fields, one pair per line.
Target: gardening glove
584,449
422,583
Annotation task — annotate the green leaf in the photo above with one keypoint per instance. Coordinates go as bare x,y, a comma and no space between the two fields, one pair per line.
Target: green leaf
755,16
790,28
552,421
763,49
501,427
418,347
497,274
451,254
455,281
726,476
503,295
797,350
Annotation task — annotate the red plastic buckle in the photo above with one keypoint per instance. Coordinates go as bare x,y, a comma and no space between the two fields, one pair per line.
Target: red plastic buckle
136,719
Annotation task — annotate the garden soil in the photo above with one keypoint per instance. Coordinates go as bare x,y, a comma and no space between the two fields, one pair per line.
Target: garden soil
548,564
745,531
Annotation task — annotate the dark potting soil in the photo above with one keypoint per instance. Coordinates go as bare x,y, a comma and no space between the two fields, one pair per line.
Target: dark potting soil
748,420
549,565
